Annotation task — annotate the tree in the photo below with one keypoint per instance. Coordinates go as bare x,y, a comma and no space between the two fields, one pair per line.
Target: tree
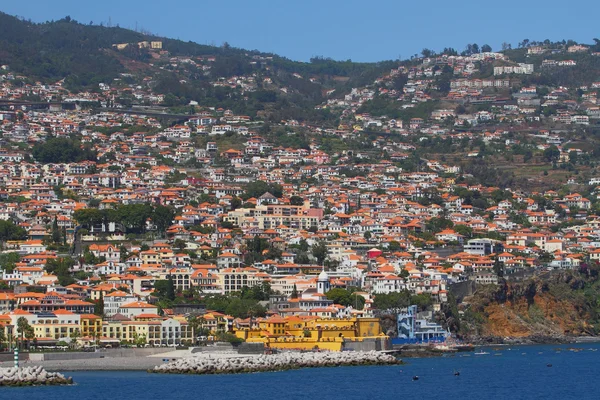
29,335
89,216
55,231
319,251
486,48
8,261
423,301
99,306
498,268
392,300
464,230
450,51
235,306
22,327
427,53
294,292
573,157
179,244
162,217
399,82
551,154
10,231
227,225
258,188
61,267
296,201
196,323
75,335
162,290
260,292
2,338
236,203
170,288
140,340
64,235
134,216
62,150
346,298
123,253
303,245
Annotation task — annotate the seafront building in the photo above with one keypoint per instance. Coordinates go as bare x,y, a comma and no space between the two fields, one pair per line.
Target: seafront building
412,329
310,333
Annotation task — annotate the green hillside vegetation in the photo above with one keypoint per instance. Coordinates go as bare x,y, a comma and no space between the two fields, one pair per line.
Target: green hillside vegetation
83,55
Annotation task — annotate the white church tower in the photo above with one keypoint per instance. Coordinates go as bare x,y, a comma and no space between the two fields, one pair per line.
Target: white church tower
323,284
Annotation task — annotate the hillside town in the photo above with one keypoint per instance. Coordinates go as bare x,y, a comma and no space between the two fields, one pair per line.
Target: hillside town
122,226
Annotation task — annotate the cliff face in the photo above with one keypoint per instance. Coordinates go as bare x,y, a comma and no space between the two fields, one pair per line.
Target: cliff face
553,306
546,316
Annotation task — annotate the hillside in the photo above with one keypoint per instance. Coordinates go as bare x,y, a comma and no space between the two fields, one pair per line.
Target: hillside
341,105
85,55
561,304
247,82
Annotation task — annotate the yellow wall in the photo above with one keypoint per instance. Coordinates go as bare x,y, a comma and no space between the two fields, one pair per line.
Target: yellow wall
91,326
54,331
332,344
298,333
369,327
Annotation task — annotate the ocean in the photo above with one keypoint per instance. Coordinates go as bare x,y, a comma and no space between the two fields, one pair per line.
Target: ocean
517,372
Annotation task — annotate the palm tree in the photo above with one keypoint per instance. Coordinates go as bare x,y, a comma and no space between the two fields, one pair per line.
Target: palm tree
76,334
29,335
2,338
22,327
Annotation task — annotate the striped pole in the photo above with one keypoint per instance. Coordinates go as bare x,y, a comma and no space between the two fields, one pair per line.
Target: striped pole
16,357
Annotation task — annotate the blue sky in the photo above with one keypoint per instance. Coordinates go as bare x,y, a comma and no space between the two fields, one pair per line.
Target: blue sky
359,30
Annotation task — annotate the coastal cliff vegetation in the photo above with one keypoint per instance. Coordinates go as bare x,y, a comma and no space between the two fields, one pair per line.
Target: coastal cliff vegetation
554,305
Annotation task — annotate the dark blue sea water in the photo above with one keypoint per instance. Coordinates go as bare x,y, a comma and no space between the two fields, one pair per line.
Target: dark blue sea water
505,373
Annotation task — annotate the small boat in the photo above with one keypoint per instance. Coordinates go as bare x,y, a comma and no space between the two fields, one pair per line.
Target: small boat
415,378
481,353
456,373
548,365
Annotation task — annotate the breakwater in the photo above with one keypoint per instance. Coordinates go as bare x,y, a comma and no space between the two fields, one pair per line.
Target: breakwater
274,362
31,376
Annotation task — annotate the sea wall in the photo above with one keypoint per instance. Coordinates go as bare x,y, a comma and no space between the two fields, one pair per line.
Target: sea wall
31,376
369,344
10,356
274,362
251,348
110,353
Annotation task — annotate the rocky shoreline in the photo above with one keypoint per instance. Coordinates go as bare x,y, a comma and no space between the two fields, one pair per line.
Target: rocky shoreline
31,376
274,362
533,339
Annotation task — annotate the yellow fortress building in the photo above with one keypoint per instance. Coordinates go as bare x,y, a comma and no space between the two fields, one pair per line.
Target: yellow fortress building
311,333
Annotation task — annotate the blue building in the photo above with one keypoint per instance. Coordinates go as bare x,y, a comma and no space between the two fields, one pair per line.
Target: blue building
412,329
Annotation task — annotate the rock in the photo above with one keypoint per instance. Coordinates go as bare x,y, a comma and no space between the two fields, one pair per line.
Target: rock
276,362
28,376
